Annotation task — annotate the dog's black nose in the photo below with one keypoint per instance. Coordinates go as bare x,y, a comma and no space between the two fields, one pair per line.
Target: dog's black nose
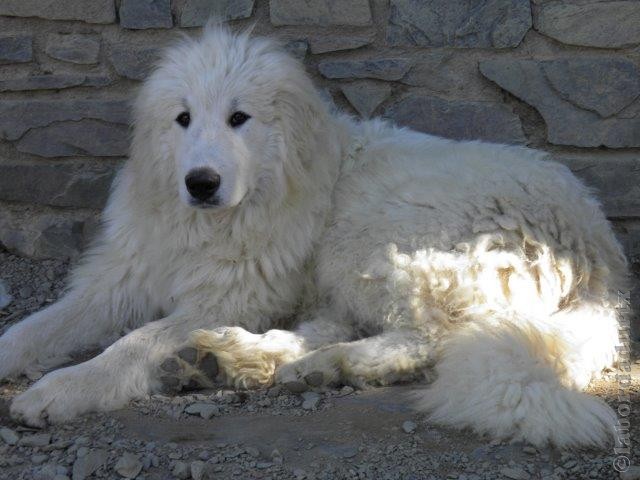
202,183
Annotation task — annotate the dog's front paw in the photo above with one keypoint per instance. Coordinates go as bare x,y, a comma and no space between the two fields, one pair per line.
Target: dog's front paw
50,400
64,394
231,355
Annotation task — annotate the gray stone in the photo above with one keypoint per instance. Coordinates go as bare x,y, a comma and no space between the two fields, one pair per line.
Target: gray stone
567,120
16,49
39,459
181,470
366,97
35,440
85,466
334,43
45,235
18,116
461,120
128,465
604,86
50,236
52,82
141,14
409,427
8,436
459,23
133,62
195,13
615,177
205,410
592,24
310,400
86,137
515,473
197,470
320,12
60,185
73,48
380,68
91,11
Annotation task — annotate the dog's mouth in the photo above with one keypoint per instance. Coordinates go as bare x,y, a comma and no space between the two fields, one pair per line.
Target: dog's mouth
204,204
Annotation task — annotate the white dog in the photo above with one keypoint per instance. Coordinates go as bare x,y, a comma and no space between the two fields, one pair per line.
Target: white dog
246,202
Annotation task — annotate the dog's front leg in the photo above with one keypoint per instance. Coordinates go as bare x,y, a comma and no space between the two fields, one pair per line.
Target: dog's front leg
124,371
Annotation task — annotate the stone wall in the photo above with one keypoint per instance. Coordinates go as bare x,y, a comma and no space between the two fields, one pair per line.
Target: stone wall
558,75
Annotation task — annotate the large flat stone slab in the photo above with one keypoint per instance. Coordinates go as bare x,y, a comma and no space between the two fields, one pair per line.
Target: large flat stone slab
459,23
590,24
18,116
195,13
91,11
320,12
584,102
460,120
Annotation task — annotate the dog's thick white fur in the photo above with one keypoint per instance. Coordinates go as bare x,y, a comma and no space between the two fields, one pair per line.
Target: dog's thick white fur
397,252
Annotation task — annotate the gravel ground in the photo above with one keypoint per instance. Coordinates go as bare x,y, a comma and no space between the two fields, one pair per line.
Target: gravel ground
269,434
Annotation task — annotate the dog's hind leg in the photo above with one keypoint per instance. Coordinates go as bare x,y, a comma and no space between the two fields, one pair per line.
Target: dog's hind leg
389,357
248,360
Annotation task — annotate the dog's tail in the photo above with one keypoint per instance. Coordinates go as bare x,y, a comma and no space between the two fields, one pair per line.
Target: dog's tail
521,381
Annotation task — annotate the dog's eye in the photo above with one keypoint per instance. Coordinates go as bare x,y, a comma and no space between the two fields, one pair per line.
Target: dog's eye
238,118
184,119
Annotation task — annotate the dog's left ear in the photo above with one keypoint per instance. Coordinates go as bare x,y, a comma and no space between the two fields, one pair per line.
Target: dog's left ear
305,119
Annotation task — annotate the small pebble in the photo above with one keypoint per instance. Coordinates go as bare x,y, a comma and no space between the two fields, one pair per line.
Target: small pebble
310,400
37,440
347,390
197,470
515,473
181,470
409,426
205,410
9,436
128,465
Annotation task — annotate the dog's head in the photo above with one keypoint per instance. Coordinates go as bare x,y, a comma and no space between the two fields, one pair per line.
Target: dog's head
221,116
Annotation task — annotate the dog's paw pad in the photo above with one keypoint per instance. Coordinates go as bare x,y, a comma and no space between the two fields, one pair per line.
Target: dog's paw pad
188,369
171,365
189,355
208,365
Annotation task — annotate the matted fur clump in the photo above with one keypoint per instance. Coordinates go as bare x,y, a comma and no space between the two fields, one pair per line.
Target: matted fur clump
394,254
